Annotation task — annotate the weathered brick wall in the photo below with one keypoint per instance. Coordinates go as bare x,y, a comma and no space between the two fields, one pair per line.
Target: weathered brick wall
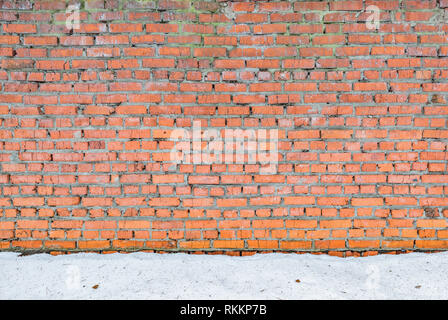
86,116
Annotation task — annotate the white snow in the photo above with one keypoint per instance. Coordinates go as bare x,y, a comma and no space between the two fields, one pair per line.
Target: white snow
262,276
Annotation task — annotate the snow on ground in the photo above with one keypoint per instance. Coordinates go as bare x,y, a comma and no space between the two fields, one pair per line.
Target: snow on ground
262,276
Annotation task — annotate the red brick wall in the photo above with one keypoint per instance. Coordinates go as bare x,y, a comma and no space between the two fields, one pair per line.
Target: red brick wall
86,116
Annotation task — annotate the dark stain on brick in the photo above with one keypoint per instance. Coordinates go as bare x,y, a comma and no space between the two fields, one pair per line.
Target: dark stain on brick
431,212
